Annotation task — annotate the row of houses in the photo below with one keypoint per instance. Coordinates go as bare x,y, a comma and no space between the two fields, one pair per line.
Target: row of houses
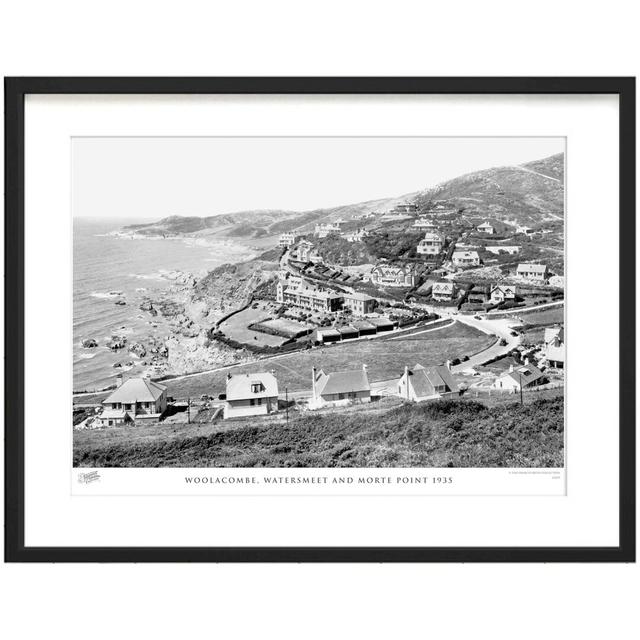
322,230
448,291
254,394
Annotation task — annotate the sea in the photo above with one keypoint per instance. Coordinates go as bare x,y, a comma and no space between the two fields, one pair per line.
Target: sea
108,268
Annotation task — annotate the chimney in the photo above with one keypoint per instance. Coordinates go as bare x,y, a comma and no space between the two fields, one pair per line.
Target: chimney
228,376
511,368
364,367
118,380
448,364
406,370
313,382
526,361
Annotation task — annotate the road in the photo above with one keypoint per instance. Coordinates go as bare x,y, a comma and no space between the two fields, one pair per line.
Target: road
501,328
537,173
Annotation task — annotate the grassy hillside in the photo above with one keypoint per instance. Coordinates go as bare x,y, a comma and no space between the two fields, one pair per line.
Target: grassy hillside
514,193
529,194
385,359
552,166
450,433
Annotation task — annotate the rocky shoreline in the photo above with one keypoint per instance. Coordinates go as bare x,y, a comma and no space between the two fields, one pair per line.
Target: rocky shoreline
185,311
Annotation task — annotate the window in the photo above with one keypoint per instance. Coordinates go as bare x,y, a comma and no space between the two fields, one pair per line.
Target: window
259,401
252,402
256,387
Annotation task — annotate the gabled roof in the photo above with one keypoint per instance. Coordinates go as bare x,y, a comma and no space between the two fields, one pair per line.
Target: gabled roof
535,268
505,288
389,270
443,287
424,380
528,373
136,390
486,223
239,386
342,382
550,333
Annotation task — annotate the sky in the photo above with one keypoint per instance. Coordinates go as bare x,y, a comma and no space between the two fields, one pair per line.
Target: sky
157,177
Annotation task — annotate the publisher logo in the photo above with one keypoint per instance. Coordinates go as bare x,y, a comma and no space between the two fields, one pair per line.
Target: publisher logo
87,478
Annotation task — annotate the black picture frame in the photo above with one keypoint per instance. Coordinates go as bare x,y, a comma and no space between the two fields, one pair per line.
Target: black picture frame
15,91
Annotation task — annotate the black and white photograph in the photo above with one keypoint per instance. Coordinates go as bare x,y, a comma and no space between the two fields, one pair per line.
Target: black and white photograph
319,302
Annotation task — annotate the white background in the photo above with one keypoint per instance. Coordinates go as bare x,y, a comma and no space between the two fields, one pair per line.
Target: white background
332,38
587,516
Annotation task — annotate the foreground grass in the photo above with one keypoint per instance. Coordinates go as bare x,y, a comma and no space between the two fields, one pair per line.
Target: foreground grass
451,433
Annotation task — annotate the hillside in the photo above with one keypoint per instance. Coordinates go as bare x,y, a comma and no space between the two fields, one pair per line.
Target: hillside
520,194
530,194
435,434
240,224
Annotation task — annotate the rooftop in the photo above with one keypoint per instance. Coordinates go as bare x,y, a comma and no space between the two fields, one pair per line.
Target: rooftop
535,268
342,382
239,386
136,390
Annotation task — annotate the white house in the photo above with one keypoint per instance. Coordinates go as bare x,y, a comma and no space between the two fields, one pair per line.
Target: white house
554,349
535,272
429,383
431,244
287,239
356,236
137,399
324,229
251,394
486,227
339,388
425,223
465,259
443,291
524,376
502,292
389,275
554,334
306,252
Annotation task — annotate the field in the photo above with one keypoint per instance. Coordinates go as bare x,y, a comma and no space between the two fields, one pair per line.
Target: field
284,327
385,359
235,327
544,317
384,356
449,433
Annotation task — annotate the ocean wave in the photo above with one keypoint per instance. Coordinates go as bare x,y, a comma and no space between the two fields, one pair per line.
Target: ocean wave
87,356
107,295
146,276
